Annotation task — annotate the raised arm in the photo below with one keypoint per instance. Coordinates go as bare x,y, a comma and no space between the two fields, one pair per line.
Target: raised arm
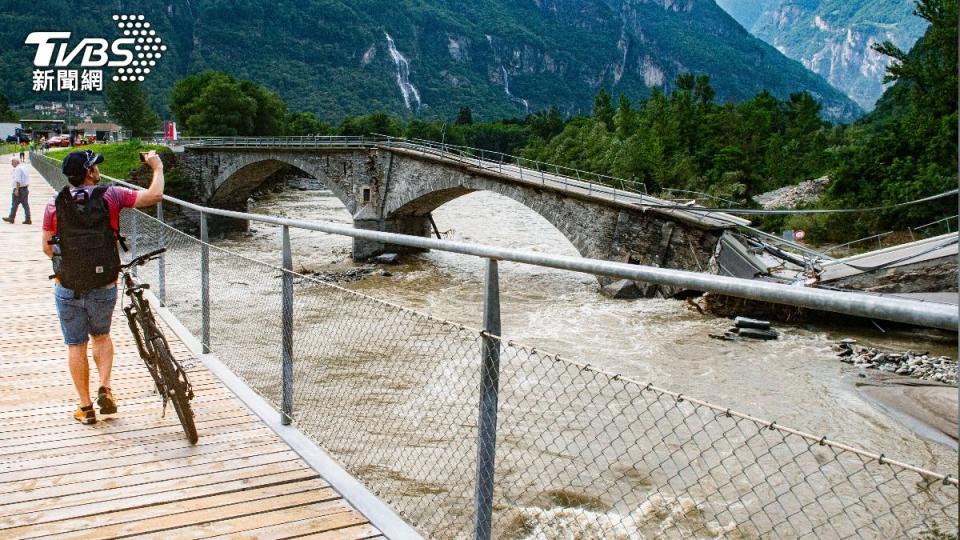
153,194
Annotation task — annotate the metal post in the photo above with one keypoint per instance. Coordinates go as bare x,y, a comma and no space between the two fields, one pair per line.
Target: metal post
286,333
162,262
204,284
489,389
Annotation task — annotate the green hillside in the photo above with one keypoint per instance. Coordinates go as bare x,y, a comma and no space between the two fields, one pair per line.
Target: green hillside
500,57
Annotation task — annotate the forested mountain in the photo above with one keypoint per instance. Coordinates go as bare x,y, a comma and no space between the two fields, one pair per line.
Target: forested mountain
427,58
834,38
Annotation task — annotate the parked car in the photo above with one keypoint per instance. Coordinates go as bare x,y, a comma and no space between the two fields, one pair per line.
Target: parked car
59,140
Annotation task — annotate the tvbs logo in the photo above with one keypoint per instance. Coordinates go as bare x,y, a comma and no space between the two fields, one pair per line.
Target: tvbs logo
133,55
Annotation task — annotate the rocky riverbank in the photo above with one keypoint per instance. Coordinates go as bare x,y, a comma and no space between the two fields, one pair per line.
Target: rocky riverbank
911,364
793,196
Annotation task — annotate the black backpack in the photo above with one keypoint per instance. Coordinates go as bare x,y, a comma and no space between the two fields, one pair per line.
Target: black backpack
89,257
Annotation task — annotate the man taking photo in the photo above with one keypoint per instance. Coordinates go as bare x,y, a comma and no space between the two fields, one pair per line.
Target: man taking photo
81,232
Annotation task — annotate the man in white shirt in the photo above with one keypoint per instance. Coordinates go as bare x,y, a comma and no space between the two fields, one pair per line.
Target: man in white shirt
20,182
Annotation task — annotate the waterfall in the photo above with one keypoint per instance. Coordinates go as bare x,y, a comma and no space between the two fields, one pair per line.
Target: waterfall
409,91
506,88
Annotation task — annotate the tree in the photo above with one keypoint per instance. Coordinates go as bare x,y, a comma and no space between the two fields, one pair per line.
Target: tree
306,123
223,109
6,113
214,103
271,112
464,117
702,91
603,109
546,124
129,106
930,69
378,123
625,119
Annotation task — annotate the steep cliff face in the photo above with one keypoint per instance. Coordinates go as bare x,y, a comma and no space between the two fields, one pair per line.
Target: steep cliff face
834,38
428,58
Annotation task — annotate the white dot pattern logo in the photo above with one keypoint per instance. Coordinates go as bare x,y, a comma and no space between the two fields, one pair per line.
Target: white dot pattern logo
147,49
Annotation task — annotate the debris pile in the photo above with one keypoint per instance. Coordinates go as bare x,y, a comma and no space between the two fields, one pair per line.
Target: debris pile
793,196
911,364
748,328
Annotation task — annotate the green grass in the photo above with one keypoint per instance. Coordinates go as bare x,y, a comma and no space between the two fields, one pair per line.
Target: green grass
119,160
9,148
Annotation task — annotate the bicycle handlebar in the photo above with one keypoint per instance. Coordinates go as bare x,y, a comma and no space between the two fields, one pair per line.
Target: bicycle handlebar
143,259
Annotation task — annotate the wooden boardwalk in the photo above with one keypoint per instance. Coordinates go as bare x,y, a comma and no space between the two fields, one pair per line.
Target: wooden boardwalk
133,474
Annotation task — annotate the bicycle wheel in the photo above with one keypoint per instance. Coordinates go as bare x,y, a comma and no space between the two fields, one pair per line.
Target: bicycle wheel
177,389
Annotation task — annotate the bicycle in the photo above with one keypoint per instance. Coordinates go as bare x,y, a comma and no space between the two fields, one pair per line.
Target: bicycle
167,372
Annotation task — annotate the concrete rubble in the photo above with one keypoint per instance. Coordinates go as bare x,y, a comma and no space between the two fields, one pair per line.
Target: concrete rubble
793,196
911,364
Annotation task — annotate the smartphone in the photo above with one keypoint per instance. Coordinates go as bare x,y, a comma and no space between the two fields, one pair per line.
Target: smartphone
143,157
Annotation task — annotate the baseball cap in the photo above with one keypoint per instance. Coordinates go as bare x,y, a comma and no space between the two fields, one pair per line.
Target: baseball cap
78,162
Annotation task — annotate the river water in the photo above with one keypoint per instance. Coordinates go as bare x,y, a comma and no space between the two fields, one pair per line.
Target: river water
796,380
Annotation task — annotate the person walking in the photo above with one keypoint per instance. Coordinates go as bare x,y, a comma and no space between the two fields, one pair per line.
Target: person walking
20,182
23,151
80,234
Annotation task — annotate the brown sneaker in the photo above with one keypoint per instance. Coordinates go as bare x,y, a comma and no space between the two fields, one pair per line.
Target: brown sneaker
85,415
105,401
8,220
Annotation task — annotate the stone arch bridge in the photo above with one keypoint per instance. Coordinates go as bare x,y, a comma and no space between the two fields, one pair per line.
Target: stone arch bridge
393,186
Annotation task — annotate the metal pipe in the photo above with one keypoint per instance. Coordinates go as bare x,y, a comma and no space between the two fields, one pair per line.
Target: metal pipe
204,284
849,303
489,395
286,325
162,261
133,238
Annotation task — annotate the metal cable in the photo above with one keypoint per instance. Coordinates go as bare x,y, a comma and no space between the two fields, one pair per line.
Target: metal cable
391,394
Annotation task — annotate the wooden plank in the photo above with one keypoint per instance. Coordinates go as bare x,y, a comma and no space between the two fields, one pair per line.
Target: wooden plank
305,528
105,488
84,504
66,398
130,410
181,459
66,406
333,514
36,468
92,450
134,471
107,439
106,523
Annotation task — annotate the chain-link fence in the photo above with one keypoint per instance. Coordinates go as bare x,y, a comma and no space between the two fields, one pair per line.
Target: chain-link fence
392,394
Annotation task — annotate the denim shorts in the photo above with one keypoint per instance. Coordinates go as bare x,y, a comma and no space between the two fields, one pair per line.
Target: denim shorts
88,315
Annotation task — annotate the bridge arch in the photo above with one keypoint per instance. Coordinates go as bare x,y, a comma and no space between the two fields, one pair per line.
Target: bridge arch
240,176
426,203
429,185
394,188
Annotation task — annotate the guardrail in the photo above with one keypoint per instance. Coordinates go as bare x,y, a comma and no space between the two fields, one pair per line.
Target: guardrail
564,178
483,158
467,433
878,237
947,221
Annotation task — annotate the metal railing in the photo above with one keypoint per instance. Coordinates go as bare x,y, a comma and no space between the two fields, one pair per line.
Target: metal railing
534,167
946,221
526,170
878,237
468,434
483,158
